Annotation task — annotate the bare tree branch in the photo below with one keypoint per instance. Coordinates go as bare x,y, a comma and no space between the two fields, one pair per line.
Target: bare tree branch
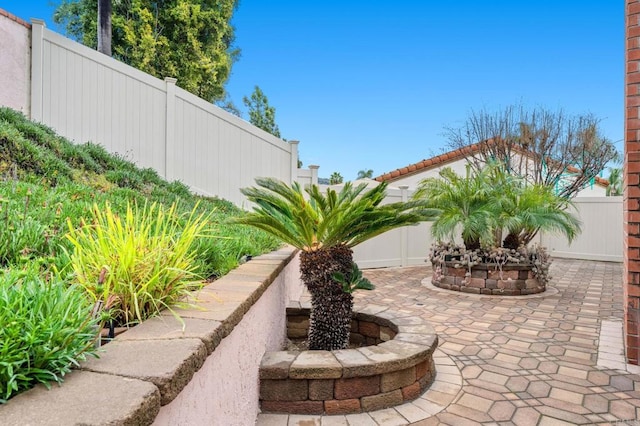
542,146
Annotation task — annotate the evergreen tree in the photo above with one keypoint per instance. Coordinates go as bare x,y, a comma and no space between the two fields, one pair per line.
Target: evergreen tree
190,40
261,114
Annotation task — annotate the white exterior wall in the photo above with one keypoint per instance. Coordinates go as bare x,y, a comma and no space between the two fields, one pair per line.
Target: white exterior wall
15,64
459,166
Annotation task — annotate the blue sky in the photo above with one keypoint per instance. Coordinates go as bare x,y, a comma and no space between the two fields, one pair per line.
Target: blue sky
372,84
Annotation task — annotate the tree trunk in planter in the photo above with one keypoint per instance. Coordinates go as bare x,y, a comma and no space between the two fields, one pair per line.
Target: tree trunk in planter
511,241
331,308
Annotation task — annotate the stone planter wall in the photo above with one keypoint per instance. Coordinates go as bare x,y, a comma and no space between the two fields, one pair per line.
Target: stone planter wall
397,367
510,280
162,373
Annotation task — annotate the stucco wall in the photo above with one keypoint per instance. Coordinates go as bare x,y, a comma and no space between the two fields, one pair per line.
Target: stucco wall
15,62
225,391
460,168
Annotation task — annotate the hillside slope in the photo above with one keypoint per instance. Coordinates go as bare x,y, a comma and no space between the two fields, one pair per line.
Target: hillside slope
45,179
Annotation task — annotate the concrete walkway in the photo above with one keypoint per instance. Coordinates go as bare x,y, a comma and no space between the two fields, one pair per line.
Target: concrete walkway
550,359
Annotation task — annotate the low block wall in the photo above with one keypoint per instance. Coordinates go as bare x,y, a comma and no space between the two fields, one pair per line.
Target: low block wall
161,373
397,367
509,280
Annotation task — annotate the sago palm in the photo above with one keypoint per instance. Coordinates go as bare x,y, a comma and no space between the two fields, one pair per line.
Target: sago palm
325,227
523,210
462,203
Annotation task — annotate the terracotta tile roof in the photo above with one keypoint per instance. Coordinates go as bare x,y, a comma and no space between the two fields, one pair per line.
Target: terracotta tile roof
449,157
14,18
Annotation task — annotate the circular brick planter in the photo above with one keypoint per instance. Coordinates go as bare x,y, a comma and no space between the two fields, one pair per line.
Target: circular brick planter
510,280
396,367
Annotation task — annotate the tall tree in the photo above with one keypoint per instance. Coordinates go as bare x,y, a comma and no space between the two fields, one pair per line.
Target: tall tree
261,114
191,40
542,146
365,174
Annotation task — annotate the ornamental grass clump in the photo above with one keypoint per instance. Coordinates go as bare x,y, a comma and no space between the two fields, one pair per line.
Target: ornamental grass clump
138,264
46,329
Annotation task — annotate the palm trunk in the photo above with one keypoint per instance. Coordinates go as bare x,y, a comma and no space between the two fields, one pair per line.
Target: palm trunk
331,308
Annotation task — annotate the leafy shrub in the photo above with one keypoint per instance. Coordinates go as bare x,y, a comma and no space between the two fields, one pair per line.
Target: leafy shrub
65,180
46,329
138,264
22,238
124,179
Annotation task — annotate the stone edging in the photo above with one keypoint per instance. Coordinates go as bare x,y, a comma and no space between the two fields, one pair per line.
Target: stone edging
550,291
443,391
396,370
147,367
486,279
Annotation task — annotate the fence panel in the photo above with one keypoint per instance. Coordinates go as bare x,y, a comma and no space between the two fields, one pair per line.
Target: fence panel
87,96
216,153
602,231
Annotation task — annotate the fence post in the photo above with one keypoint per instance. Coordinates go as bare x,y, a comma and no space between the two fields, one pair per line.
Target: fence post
404,231
294,160
170,125
314,174
37,68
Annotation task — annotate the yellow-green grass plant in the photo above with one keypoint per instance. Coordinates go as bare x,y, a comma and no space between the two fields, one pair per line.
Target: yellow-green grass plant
46,329
138,264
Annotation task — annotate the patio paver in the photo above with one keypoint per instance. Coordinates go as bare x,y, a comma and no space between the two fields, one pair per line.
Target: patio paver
548,359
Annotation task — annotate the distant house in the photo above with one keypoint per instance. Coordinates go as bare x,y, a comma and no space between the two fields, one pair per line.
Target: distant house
412,174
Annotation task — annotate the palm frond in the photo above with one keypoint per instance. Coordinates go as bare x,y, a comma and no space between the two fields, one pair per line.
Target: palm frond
349,217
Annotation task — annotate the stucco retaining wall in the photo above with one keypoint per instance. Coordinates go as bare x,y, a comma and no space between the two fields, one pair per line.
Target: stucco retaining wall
15,62
161,373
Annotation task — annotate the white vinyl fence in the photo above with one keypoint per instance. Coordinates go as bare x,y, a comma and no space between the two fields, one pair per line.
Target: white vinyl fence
602,231
601,237
87,96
